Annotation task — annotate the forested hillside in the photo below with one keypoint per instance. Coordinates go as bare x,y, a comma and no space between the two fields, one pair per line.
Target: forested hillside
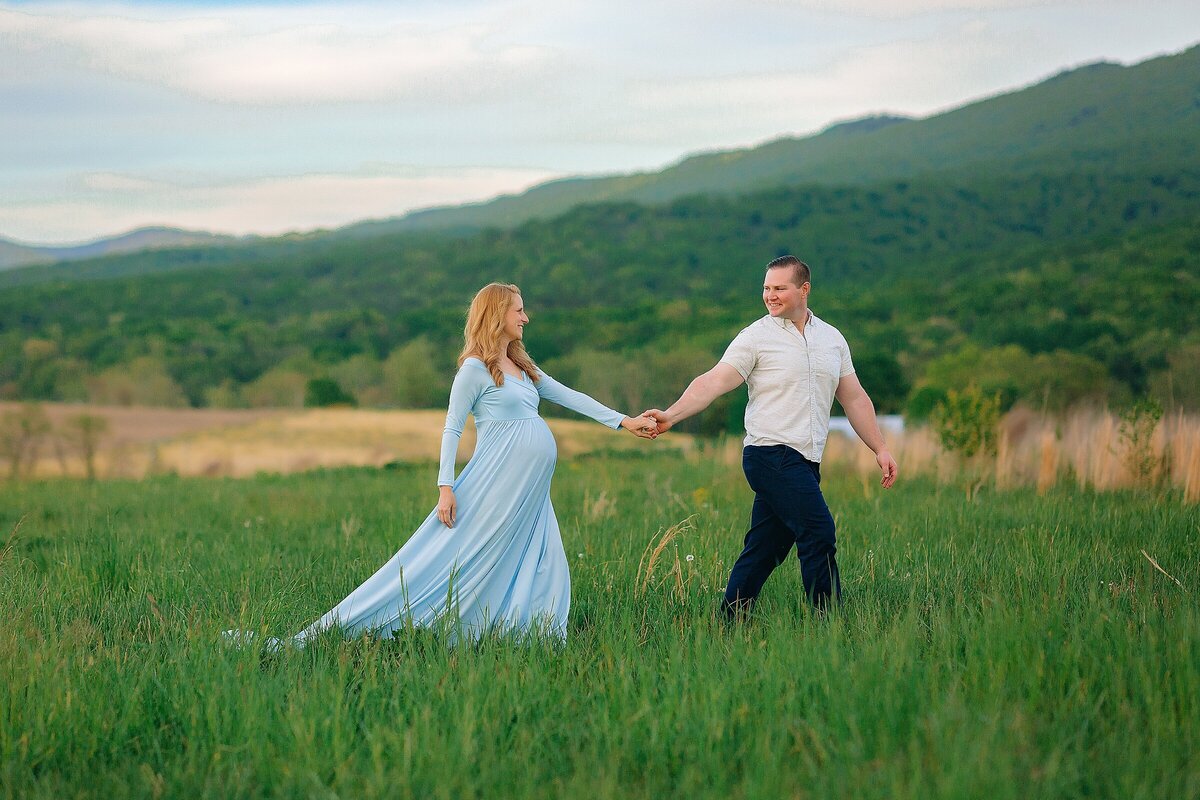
1099,117
1051,289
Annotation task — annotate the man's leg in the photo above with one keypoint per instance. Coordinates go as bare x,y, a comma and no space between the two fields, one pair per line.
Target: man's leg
797,499
788,484
767,542
767,545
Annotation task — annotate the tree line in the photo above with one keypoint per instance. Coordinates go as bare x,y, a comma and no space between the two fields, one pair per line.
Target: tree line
1046,289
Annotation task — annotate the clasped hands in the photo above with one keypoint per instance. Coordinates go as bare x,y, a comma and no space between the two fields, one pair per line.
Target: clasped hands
648,425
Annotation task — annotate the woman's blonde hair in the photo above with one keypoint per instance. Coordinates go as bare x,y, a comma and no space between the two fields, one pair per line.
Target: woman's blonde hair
485,330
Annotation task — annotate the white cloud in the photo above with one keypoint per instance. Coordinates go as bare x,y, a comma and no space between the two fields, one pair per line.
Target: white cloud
113,182
113,202
294,56
916,76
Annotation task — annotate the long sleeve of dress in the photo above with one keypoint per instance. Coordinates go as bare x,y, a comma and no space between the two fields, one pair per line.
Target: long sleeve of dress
468,385
566,397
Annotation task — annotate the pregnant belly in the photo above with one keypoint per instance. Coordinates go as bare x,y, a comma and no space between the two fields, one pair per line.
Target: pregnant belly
525,441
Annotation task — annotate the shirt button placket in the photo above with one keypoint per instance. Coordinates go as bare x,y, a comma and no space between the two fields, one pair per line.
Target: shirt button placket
812,444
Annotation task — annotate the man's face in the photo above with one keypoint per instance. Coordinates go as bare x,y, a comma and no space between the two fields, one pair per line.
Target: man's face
782,297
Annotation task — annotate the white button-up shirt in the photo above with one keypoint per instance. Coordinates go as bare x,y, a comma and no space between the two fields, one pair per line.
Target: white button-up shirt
792,378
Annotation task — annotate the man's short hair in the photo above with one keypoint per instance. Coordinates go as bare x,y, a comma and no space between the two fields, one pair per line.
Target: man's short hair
800,271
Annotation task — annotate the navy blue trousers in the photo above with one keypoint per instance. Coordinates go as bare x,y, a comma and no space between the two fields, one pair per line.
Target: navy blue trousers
789,511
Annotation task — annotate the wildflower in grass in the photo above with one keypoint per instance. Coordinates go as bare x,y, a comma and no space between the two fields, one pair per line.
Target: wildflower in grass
691,557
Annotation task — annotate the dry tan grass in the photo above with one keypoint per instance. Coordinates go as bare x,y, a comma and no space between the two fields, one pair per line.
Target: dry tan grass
1184,435
142,441
1040,451
647,578
131,424
1034,449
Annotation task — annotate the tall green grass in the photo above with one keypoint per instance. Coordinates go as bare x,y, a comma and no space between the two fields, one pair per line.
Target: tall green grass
1011,646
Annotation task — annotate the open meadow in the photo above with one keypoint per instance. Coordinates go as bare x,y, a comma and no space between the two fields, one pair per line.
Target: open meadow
994,643
134,442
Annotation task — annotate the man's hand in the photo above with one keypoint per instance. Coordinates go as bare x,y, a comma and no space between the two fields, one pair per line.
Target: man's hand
447,506
887,465
660,417
642,426
861,413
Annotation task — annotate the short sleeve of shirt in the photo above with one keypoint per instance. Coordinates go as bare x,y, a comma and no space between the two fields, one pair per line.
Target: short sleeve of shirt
742,355
847,363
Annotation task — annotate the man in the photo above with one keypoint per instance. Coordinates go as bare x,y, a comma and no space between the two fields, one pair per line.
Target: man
794,364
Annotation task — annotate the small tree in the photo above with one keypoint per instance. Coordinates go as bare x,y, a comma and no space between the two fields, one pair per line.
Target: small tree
1136,430
321,392
278,387
144,381
967,422
84,432
21,433
414,375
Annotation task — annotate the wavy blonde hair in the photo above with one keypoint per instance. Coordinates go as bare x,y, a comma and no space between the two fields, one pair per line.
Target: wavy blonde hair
485,329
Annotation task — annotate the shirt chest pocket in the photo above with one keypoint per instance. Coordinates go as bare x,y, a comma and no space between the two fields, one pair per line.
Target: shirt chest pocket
826,365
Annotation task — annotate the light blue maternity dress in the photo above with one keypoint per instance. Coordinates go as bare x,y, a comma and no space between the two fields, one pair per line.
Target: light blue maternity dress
502,565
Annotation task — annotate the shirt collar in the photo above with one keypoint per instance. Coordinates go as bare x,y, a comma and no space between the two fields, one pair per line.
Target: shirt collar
785,323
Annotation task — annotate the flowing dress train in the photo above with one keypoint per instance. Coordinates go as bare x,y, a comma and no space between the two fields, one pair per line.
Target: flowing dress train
502,565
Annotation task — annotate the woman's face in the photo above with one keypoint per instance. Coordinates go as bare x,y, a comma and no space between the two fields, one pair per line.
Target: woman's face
515,319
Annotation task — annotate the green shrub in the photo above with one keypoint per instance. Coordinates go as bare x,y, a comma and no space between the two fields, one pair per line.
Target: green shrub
321,392
1138,423
966,422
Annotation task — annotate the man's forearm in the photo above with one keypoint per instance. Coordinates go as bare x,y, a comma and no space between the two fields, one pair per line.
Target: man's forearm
861,413
695,398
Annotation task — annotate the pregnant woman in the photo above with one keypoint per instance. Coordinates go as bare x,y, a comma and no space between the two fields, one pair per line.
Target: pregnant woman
490,555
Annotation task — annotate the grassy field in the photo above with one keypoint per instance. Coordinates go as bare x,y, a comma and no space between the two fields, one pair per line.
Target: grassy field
1010,645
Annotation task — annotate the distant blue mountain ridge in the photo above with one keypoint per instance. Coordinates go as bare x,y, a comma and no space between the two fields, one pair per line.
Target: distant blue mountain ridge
14,254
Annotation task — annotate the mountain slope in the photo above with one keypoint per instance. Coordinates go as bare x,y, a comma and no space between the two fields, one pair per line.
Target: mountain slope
1102,116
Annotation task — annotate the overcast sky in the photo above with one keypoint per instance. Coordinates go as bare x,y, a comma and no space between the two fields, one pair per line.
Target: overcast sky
267,117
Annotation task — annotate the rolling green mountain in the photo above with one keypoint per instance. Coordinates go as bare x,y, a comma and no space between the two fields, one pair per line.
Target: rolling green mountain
1099,117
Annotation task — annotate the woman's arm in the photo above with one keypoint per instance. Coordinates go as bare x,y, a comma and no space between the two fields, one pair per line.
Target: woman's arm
567,397
468,385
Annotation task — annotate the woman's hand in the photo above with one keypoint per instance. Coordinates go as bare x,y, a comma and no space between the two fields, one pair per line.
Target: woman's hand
447,506
642,426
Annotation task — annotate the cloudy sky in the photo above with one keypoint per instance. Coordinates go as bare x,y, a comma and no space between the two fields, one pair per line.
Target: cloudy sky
274,116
